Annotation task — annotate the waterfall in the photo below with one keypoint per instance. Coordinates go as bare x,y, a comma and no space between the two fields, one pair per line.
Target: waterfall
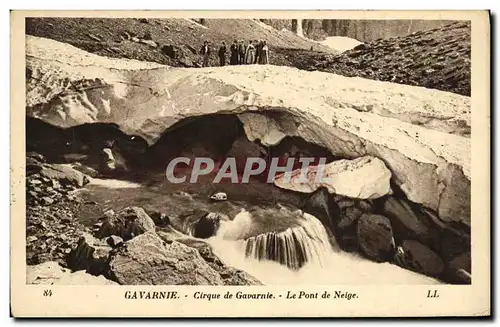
293,247
301,255
297,27
300,32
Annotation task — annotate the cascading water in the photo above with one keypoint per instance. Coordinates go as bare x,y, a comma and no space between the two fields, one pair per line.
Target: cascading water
302,254
293,247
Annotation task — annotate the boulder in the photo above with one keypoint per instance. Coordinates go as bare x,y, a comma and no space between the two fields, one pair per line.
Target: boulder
33,166
91,255
230,275
114,241
365,205
349,216
464,276
65,174
127,223
159,218
84,169
362,178
47,201
170,234
36,156
406,224
94,37
415,256
148,260
207,226
458,270
462,261
375,237
112,162
151,43
453,242
51,273
322,206
108,160
347,226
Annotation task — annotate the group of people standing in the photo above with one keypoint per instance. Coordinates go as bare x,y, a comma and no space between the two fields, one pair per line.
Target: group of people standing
253,52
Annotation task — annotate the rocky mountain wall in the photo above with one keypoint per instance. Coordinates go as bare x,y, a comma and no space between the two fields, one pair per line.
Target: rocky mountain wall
362,30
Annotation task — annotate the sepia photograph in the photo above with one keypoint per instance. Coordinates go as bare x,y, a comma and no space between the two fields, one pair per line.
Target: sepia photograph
249,151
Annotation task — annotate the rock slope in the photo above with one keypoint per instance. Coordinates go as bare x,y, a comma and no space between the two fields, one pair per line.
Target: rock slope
439,59
173,42
415,131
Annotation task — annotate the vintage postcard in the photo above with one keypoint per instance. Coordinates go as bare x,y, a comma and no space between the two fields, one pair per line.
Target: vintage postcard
250,164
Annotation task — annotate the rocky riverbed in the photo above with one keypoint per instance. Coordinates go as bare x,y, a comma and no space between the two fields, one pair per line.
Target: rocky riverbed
107,228
58,242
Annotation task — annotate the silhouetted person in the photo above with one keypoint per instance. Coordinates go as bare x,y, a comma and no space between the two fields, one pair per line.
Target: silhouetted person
250,54
205,51
258,50
222,54
242,49
264,54
234,60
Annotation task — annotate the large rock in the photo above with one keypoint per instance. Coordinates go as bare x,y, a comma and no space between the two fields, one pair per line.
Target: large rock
347,222
458,270
159,218
462,261
375,237
51,273
322,206
65,174
405,222
34,163
430,166
417,257
363,178
230,275
85,169
128,223
91,255
112,162
207,226
148,260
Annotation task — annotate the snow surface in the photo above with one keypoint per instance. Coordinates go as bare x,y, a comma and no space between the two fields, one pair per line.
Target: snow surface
340,43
